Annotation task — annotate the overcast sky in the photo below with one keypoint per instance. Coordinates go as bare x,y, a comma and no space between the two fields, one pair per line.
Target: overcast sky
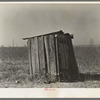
24,20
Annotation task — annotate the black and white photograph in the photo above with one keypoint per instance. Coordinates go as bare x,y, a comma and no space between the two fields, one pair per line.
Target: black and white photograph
49,45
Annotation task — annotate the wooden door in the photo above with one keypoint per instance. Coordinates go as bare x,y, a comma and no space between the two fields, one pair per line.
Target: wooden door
62,57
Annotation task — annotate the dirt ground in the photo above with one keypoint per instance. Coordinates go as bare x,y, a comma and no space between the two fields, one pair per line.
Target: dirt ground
86,84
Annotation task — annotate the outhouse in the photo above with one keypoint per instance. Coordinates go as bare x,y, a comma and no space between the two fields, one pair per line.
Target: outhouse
52,54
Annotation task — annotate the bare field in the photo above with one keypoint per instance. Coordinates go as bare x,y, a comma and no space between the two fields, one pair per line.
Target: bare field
14,69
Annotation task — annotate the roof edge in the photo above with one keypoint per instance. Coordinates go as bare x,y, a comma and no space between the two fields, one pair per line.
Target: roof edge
57,32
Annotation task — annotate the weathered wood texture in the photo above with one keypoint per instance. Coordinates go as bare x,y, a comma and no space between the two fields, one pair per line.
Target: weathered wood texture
57,59
33,56
53,55
30,57
68,68
63,57
41,50
50,56
36,53
73,68
47,53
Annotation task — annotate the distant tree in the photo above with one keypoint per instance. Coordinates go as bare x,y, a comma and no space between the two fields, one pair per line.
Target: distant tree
91,42
13,44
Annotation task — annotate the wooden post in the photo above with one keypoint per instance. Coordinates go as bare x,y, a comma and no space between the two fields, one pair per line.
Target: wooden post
57,58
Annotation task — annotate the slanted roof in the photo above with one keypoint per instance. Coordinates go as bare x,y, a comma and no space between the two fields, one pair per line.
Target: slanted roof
57,32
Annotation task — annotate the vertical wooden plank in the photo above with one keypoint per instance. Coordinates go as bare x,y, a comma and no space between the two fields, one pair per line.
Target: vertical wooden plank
49,41
61,55
46,44
61,51
66,52
66,68
41,55
57,58
63,58
33,55
30,57
52,57
36,53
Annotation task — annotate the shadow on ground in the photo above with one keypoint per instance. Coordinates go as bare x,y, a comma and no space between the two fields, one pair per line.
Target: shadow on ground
89,77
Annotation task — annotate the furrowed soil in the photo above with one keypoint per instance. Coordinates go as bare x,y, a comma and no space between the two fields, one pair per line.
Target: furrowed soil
14,69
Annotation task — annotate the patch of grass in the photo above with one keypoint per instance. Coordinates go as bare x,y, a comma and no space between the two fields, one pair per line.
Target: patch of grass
14,68
88,59
13,72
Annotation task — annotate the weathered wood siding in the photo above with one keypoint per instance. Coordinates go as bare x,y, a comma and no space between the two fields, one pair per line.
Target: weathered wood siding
41,56
30,57
63,57
47,53
73,68
49,41
33,56
57,59
53,55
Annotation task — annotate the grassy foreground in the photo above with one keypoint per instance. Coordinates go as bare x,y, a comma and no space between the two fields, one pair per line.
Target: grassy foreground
14,69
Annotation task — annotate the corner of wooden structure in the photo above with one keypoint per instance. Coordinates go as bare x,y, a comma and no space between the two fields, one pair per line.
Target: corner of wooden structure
71,35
